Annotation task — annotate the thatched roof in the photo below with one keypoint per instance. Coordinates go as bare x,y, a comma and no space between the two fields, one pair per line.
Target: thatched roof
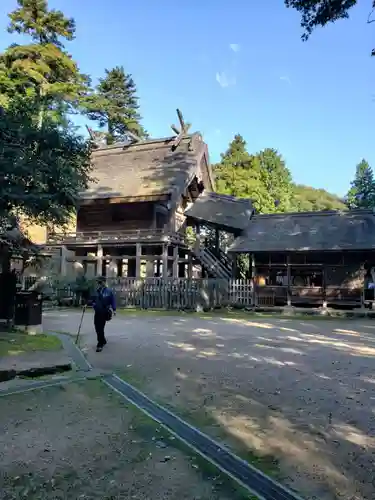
328,230
225,212
145,170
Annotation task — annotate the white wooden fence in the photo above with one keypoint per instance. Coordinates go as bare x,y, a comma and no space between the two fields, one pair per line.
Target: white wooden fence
159,293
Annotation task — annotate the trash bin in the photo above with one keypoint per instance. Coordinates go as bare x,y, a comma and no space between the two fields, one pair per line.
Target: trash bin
28,309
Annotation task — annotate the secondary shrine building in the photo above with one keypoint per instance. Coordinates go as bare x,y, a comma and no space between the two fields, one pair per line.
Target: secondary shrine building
312,258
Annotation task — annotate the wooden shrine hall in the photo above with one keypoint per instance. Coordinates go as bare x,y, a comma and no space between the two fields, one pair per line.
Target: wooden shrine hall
312,258
132,220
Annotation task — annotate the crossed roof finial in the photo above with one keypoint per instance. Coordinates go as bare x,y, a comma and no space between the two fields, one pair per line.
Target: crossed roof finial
180,132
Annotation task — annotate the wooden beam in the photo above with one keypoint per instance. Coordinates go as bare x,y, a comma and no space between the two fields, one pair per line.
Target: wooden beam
175,129
177,140
181,120
288,271
133,136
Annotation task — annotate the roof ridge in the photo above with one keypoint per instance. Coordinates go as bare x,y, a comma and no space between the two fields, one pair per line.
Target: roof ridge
227,197
320,213
125,146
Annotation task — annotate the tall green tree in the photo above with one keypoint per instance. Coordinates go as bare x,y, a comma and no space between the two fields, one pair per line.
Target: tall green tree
362,191
263,177
238,174
42,169
321,12
41,72
277,180
114,105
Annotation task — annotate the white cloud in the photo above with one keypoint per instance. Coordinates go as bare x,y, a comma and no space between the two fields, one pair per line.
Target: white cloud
286,79
235,47
225,80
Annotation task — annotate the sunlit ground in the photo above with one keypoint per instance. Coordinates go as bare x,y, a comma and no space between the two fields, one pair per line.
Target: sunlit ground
298,393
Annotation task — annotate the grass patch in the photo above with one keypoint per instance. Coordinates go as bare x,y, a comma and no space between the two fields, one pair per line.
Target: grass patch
206,423
14,343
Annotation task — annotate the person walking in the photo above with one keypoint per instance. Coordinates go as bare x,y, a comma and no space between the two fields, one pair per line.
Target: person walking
104,305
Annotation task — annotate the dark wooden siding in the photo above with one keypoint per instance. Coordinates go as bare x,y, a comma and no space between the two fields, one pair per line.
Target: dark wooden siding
122,216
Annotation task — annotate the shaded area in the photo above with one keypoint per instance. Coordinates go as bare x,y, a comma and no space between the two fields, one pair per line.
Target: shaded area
226,212
300,391
250,477
93,445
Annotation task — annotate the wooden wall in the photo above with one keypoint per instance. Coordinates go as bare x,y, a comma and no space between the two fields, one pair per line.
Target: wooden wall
116,216
342,269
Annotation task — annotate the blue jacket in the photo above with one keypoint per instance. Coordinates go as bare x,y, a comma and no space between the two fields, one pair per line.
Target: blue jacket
103,300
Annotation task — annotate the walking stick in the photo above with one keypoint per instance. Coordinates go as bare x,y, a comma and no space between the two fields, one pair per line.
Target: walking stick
80,324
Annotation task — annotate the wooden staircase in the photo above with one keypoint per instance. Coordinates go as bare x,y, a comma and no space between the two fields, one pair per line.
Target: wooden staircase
216,263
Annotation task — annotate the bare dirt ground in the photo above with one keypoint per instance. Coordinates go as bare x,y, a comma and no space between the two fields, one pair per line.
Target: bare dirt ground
82,441
300,392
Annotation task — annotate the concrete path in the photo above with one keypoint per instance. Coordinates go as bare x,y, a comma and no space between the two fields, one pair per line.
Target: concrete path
302,392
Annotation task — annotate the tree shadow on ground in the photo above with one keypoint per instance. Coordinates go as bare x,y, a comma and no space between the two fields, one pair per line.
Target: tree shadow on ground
299,394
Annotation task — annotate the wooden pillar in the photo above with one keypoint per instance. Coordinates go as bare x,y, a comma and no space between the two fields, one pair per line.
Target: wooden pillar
165,261
190,266
138,253
63,262
253,275
234,266
119,268
217,239
158,267
324,283
99,260
175,262
289,276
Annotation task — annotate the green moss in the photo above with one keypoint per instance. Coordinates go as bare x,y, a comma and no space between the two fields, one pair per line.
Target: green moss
14,343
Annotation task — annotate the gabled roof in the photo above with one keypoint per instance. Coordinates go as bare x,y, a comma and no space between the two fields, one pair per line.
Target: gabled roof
308,231
147,169
223,211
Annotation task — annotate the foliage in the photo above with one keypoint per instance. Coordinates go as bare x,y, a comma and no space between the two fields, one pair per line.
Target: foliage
114,106
42,170
41,72
362,191
309,199
262,177
265,179
321,12
44,26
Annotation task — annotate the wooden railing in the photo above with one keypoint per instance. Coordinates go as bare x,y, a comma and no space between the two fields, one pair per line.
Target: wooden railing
278,295
114,236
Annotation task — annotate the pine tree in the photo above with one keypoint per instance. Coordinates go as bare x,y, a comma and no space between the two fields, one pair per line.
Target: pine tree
262,177
114,105
41,72
44,26
362,191
277,180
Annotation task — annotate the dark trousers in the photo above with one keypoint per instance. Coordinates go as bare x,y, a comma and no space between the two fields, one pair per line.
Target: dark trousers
100,319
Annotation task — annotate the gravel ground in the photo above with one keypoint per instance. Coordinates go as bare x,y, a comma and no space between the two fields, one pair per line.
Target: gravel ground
81,441
300,392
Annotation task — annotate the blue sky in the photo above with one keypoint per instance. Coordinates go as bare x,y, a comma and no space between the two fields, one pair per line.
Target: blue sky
239,66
